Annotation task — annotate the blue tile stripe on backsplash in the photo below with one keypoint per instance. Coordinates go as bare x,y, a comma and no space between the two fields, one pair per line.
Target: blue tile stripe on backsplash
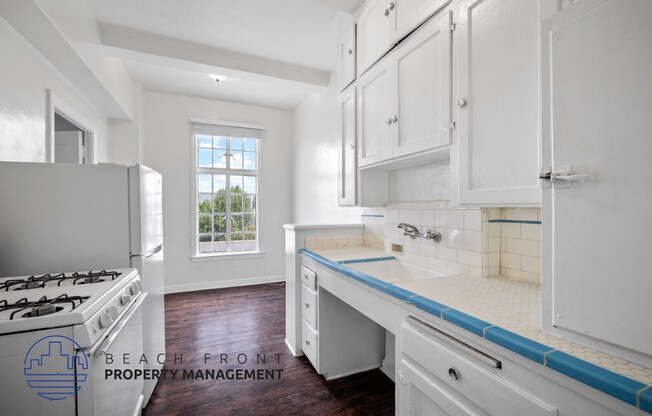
607,381
516,221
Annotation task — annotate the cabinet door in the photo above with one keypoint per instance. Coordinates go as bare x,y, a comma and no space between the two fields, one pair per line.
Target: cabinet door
408,14
348,151
375,106
423,89
346,53
373,34
596,120
498,107
425,395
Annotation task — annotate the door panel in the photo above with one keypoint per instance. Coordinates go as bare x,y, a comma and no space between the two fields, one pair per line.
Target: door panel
498,78
346,58
374,108
423,66
373,34
597,62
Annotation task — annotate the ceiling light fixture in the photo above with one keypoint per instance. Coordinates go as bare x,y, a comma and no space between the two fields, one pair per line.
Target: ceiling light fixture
217,78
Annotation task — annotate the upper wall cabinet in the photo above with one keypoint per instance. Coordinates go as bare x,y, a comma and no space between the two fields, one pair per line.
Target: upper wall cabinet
346,52
383,23
498,102
348,168
404,101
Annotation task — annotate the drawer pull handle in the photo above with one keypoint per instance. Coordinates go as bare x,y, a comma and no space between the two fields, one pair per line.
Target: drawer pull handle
307,305
305,276
455,375
307,342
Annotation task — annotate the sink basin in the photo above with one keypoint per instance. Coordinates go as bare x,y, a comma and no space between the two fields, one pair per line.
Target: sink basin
393,271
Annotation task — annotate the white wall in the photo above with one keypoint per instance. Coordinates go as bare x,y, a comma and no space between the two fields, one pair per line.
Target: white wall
316,146
166,148
24,77
127,135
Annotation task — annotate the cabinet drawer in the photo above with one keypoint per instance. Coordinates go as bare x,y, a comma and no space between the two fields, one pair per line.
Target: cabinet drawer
309,343
309,278
309,305
461,373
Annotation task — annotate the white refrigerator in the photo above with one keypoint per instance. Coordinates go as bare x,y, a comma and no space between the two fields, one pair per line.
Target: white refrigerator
69,217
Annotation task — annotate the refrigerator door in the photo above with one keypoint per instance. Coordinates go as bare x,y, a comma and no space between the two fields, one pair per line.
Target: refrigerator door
150,268
145,209
62,217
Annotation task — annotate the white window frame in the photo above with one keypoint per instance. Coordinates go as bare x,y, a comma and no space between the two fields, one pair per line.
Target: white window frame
194,209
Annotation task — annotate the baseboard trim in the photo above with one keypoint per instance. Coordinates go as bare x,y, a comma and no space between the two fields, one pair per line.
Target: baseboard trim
193,287
294,354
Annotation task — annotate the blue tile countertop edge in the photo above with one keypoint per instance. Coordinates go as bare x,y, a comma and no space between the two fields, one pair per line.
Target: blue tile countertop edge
609,382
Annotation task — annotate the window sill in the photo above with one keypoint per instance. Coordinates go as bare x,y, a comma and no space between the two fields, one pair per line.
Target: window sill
227,256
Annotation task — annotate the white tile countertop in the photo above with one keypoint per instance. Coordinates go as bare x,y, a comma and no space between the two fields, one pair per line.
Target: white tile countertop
495,305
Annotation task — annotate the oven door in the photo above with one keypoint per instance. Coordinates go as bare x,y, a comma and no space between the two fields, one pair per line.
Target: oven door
104,394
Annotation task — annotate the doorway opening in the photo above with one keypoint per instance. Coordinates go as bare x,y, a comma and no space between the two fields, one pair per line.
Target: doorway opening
71,144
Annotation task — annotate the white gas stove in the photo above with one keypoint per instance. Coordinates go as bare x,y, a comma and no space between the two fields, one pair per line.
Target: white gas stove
80,319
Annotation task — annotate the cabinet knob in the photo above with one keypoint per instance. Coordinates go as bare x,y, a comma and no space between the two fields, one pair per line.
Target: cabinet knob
394,119
390,6
350,51
307,342
388,121
352,146
455,375
307,305
461,102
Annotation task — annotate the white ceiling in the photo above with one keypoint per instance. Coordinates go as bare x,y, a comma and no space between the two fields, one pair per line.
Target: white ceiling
297,32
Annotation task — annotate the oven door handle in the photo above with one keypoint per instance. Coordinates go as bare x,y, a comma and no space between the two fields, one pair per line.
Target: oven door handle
104,346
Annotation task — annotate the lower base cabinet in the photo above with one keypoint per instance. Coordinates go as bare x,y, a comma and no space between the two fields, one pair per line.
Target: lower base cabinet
440,375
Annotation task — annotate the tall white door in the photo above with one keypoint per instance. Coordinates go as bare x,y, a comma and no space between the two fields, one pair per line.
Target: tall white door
348,151
597,234
69,147
423,88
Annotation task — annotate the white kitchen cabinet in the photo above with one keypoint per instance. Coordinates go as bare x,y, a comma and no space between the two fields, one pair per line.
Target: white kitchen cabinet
375,107
346,51
441,375
348,148
404,100
423,89
498,102
383,23
596,121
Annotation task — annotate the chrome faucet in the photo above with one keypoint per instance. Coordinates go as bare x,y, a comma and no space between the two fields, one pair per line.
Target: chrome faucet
413,232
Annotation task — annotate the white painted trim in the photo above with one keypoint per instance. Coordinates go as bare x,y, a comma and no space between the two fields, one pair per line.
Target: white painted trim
349,373
227,123
294,354
227,256
56,105
192,287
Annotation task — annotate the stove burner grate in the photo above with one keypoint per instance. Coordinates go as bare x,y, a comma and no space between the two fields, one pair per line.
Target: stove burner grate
35,282
41,307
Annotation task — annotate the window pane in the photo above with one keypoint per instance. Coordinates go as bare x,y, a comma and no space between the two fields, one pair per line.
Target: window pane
249,184
249,162
249,222
205,245
236,160
236,203
219,184
236,184
250,145
204,183
219,243
204,158
205,203
219,142
236,224
248,203
204,141
204,223
219,223
236,143
219,203
219,159
237,246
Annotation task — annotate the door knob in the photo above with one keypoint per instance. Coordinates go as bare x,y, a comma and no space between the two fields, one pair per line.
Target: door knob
461,102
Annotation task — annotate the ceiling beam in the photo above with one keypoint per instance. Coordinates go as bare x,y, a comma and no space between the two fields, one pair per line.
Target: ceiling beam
133,44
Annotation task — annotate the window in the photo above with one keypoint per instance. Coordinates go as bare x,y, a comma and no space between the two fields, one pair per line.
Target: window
226,185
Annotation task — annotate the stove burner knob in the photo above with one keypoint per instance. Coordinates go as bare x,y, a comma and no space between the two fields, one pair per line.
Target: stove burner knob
134,289
125,299
113,311
105,320
139,284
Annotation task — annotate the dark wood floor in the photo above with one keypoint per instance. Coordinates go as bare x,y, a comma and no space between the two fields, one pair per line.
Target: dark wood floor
251,320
